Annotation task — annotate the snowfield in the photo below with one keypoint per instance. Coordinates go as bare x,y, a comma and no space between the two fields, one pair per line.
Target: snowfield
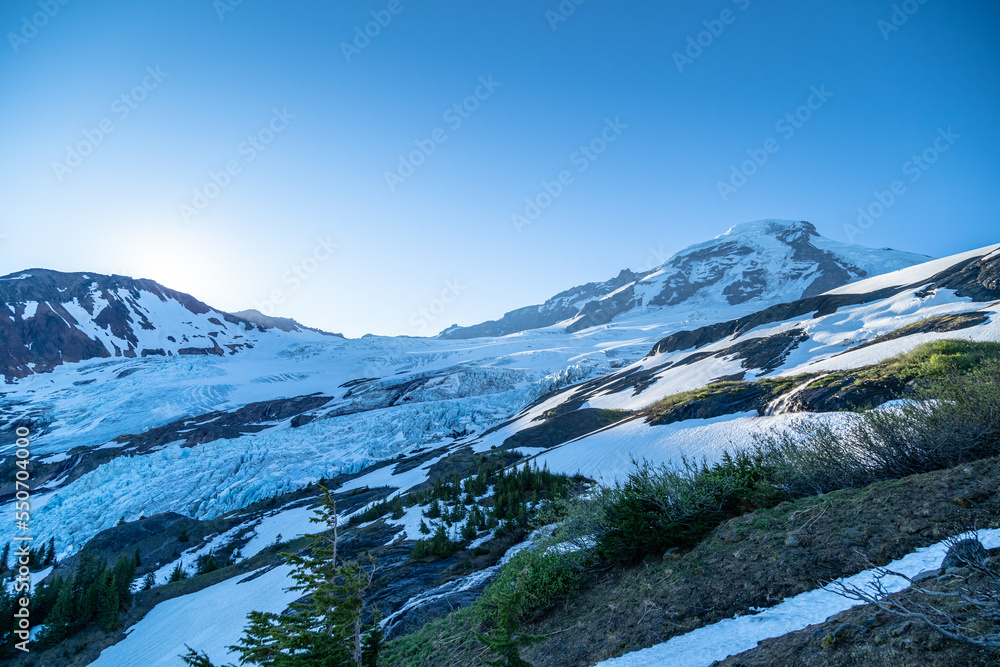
609,455
422,393
209,620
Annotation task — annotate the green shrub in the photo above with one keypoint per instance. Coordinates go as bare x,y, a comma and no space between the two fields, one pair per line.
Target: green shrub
424,647
944,358
542,577
955,419
530,581
660,507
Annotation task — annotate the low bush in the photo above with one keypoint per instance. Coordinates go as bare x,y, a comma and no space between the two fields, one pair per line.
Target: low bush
540,576
660,507
532,580
952,420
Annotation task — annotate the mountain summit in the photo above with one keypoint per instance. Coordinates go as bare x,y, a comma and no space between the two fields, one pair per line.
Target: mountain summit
48,318
755,264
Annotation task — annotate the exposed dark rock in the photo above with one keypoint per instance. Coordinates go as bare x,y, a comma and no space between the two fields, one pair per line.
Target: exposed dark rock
603,311
301,420
768,352
977,279
250,418
563,428
560,307
215,349
743,397
820,305
676,289
156,537
963,552
750,287
845,393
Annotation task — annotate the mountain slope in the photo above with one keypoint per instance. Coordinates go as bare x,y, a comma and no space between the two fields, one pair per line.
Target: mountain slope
815,338
756,264
207,435
48,318
282,323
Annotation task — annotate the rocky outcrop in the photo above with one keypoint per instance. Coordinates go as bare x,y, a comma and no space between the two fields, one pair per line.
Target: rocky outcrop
963,552
563,428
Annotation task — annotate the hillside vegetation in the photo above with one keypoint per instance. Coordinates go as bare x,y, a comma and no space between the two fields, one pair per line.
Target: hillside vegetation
669,550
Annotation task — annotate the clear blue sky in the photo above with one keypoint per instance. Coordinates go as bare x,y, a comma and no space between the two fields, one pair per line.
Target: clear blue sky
555,85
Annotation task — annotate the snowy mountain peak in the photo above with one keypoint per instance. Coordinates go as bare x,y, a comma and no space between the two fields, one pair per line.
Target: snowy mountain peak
48,318
771,227
751,266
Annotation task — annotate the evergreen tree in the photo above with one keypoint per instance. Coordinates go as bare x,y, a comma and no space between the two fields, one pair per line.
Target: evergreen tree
206,563
469,530
327,631
505,639
43,597
124,574
50,557
7,620
178,574
371,644
61,621
196,659
86,582
108,602
149,581
137,558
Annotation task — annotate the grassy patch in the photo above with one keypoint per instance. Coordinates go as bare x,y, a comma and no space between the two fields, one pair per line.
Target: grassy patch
932,361
451,634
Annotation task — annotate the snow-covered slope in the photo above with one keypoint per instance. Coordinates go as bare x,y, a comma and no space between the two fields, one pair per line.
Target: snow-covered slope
142,400
956,297
755,264
206,434
48,318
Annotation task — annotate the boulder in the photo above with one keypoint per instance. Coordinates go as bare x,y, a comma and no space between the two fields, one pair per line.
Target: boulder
962,552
